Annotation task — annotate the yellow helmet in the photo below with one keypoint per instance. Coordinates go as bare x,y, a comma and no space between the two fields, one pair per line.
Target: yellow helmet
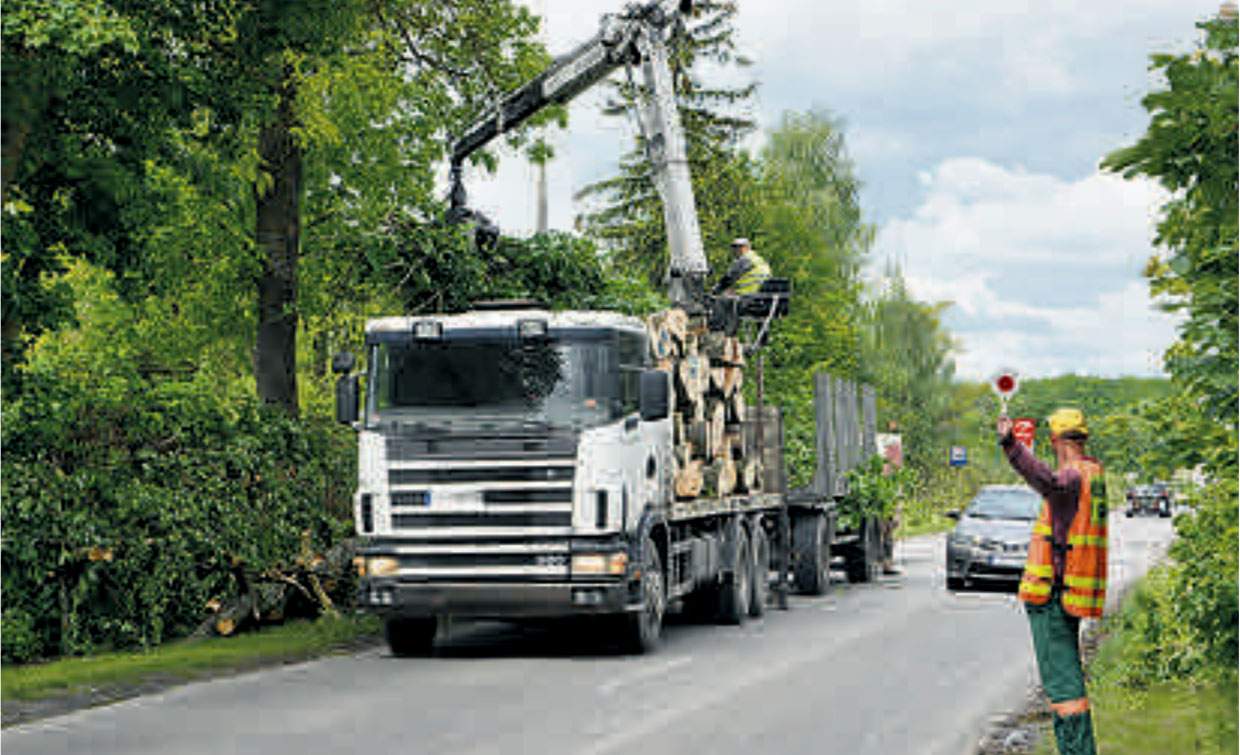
1068,421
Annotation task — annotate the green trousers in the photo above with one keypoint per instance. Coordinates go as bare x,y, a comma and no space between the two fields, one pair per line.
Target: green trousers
1057,648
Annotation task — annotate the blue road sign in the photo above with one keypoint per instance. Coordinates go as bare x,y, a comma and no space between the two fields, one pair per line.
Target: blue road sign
958,457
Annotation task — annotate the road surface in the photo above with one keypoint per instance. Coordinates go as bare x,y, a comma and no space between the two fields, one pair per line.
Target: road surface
902,666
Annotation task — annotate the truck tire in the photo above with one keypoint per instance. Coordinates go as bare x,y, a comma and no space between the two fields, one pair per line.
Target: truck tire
863,565
409,638
812,544
734,592
760,578
641,630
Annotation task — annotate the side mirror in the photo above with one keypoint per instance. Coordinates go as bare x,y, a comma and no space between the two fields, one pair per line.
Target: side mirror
654,395
342,363
346,399
952,514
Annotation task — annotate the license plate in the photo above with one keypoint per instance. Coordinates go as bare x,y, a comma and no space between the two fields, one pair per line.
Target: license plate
1008,561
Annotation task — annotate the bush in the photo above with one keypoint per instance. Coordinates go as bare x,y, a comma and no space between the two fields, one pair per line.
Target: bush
1181,622
128,504
871,492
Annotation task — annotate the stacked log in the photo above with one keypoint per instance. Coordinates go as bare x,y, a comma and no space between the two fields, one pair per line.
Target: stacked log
711,456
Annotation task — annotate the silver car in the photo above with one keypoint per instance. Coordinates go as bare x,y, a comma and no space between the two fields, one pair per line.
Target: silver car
991,538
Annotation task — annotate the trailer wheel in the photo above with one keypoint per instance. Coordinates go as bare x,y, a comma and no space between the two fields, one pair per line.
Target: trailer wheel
812,545
641,630
734,592
409,638
760,579
863,566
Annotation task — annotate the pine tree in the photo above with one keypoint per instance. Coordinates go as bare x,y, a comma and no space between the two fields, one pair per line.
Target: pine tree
628,219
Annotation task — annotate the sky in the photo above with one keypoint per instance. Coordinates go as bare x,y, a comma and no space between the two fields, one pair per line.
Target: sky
976,128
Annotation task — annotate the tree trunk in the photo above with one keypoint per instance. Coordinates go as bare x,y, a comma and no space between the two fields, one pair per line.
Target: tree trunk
278,206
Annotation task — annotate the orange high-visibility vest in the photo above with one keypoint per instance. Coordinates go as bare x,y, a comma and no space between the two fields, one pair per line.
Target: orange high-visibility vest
1085,565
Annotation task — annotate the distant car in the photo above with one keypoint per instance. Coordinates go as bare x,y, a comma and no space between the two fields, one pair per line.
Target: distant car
1150,499
991,538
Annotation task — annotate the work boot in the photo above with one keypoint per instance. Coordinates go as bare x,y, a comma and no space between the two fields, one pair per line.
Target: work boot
1075,734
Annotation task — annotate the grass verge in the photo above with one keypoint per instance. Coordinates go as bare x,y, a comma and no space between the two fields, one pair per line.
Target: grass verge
184,660
1140,716
1171,717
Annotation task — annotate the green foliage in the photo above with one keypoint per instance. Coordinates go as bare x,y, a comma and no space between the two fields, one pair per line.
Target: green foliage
1205,591
128,503
131,493
872,492
807,224
1182,622
907,358
628,219
1190,148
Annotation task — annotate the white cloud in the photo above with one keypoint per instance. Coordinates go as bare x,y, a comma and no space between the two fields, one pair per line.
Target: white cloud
1044,273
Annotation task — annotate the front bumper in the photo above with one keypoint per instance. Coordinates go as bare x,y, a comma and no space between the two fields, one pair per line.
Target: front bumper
393,597
971,563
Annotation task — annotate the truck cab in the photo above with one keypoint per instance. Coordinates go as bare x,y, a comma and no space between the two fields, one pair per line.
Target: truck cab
505,464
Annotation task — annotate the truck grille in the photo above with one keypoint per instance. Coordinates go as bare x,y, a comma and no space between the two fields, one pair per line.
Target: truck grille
484,519
477,475
482,509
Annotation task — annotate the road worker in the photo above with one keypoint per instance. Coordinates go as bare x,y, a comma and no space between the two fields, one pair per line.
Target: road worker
1066,570
747,273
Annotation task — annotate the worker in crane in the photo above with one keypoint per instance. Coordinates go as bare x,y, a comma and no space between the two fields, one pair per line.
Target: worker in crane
1066,570
747,273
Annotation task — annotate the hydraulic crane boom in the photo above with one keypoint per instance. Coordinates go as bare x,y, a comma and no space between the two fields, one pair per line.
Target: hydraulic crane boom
638,35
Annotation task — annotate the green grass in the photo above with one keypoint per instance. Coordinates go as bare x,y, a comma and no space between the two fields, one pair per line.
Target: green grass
1136,716
184,659
1166,718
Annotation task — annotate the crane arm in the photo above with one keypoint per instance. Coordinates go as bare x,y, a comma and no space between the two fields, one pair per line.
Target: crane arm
637,35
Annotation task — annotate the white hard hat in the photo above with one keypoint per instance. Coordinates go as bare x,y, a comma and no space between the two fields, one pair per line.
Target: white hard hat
742,241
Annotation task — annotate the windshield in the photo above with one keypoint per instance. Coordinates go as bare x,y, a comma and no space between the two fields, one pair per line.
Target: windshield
1005,504
495,380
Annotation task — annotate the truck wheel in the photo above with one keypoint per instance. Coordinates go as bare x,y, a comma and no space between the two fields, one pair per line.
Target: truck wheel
642,629
1128,513
760,579
409,638
734,592
811,542
863,566
955,583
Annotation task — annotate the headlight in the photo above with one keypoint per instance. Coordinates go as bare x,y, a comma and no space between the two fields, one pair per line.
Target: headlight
600,563
382,566
963,541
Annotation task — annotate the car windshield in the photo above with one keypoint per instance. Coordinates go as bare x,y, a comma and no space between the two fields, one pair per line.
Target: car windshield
1005,504
495,380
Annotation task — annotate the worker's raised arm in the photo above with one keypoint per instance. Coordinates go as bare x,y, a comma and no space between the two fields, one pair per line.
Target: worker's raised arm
1061,485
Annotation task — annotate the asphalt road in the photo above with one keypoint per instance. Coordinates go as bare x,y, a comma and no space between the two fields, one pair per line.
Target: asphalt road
898,667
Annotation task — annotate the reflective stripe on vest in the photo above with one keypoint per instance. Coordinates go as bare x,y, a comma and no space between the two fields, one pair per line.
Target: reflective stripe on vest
751,280
1097,540
1090,583
1086,605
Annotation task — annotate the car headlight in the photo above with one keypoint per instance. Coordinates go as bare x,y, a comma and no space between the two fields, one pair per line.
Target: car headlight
964,541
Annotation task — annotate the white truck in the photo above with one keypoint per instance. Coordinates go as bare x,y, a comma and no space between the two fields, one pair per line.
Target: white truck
516,462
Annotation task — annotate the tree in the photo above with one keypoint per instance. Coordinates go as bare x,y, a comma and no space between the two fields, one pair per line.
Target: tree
629,222
907,356
1190,148
92,92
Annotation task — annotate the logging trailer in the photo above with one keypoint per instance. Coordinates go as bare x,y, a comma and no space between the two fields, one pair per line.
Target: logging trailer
520,463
